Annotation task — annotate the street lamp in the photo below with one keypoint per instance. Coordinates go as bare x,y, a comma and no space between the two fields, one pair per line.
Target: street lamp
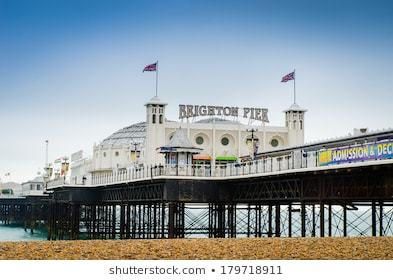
254,143
135,150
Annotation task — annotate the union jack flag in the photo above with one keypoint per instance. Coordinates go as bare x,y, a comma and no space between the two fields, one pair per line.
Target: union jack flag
150,67
288,77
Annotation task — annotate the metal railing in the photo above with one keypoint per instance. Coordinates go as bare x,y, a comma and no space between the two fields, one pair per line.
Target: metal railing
267,165
295,159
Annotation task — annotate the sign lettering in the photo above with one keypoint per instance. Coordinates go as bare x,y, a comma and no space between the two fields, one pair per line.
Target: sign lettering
190,111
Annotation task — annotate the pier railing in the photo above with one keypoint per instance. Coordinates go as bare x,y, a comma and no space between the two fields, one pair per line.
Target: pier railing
260,166
266,165
296,159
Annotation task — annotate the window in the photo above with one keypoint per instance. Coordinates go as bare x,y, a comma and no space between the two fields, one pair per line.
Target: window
154,118
224,141
104,154
161,119
301,124
38,187
274,143
31,187
199,140
117,153
294,124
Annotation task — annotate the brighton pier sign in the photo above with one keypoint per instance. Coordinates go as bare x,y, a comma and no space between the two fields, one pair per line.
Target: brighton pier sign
191,111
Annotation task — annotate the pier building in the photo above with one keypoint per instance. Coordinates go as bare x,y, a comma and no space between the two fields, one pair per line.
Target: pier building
223,134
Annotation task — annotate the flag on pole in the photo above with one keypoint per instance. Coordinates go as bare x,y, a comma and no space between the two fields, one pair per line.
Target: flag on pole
288,77
153,68
150,67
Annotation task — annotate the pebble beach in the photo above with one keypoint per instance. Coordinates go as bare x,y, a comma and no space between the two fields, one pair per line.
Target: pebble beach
202,249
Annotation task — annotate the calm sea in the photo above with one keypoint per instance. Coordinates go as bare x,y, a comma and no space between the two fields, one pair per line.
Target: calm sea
13,233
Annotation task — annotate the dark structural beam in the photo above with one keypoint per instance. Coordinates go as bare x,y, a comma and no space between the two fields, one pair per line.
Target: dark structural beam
278,221
345,220
380,218
303,219
373,218
322,219
289,220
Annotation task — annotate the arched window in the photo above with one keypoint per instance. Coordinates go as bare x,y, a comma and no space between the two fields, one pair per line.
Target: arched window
294,124
154,118
301,124
161,119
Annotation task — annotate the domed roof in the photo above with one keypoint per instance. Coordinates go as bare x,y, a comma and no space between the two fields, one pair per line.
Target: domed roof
132,134
295,107
156,101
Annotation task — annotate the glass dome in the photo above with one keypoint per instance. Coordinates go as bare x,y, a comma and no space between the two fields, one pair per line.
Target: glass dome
129,135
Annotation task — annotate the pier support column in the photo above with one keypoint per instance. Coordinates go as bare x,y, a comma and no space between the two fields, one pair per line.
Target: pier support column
303,219
322,219
217,219
175,220
114,217
313,221
258,220
123,221
330,220
345,220
373,218
94,221
290,220
278,221
270,222
163,207
248,220
75,220
51,222
231,220
381,218
128,221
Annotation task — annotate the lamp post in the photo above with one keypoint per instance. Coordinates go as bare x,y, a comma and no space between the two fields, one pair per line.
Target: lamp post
135,150
254,148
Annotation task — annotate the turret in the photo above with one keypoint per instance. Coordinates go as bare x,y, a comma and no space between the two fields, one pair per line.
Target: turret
155,130
294,121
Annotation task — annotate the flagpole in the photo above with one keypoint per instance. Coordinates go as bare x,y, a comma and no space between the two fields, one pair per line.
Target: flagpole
294,86
157,78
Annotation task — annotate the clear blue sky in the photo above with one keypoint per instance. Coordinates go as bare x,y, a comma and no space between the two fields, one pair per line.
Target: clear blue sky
71,71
